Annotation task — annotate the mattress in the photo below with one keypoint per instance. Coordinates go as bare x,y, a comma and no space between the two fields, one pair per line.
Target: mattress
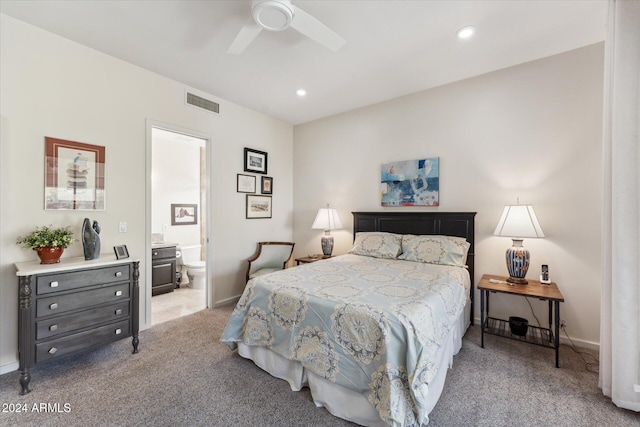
372,338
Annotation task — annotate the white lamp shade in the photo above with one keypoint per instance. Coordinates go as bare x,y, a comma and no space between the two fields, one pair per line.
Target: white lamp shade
327,219
518,221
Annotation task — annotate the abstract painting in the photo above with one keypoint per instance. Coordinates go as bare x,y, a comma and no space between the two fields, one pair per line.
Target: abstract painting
411,183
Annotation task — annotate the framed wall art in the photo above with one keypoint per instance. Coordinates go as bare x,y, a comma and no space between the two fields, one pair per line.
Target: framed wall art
267,185
246,184
411,183
258,206
74,175
183,214
255,161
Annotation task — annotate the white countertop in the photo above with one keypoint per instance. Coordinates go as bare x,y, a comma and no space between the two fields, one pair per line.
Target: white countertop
163,245
29,268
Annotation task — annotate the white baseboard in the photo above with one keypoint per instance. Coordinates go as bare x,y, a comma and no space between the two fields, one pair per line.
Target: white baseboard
564,340
9,367
228,301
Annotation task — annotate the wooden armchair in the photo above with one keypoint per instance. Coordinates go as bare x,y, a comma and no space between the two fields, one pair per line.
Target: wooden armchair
269,257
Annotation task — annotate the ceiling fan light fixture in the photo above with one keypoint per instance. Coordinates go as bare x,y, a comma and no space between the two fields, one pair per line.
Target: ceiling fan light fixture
273,15
466,32
278,15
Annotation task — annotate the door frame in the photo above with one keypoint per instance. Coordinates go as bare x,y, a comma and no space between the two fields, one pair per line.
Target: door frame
209,288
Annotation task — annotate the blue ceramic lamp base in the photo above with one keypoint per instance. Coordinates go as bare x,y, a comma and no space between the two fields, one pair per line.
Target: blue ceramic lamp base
517,258
327,244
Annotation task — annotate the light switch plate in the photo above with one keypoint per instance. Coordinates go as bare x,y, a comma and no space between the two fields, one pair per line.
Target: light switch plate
122,227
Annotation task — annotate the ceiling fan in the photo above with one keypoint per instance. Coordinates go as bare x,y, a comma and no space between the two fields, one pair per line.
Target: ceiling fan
278,15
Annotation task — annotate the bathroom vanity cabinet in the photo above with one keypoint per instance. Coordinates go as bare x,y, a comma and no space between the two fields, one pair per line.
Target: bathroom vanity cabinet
73,306
163,269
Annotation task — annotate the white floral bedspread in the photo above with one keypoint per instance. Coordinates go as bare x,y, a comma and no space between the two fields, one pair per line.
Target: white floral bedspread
371,325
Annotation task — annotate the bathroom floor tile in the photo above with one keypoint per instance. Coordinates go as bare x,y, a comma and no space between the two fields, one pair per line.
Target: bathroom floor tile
180,302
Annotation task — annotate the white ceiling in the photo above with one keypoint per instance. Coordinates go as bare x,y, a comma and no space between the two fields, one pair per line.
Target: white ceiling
392,48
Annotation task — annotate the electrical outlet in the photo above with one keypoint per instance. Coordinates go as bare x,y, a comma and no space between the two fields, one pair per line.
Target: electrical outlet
563,324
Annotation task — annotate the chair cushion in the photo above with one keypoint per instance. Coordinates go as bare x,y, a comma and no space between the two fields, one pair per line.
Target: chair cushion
263,271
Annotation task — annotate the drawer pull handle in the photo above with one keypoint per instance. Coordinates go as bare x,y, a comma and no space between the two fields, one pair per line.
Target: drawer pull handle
53,350
53,284
118,331
53,328
118,273
118,293
53,306
119,311
155,254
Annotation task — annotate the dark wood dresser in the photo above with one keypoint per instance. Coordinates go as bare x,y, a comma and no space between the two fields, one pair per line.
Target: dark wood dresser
73,306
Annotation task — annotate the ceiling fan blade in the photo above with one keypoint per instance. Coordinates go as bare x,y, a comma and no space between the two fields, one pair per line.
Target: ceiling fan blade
244,38
315,30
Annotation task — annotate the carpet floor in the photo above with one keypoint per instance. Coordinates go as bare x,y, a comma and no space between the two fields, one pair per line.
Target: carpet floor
183,376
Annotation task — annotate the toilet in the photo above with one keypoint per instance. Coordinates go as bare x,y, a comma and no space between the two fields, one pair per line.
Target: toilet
189,257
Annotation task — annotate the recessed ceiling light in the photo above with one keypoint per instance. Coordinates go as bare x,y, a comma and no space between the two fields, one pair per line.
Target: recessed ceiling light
466,32
301,92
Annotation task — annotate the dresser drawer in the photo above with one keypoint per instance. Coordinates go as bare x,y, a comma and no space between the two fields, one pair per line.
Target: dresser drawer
48,283
81,341
56,304
161,253
83,319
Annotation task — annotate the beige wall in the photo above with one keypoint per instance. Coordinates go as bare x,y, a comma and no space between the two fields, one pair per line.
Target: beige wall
54,87
531,132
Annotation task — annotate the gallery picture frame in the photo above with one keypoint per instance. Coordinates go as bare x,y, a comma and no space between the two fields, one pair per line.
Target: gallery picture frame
246,183
74,175
258,206
255,161
184,214
121,251
267,185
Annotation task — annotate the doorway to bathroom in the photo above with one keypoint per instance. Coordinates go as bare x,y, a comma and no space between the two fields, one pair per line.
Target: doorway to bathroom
179,216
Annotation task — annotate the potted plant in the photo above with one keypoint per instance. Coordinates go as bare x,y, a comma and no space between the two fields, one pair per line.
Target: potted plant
48,242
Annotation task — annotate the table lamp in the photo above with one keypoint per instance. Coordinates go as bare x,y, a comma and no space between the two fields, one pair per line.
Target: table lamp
518,222
327,219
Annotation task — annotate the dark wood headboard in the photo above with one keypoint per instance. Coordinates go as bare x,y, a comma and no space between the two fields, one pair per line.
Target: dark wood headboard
459,224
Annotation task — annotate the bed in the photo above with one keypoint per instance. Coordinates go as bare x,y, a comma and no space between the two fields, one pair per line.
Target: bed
372,332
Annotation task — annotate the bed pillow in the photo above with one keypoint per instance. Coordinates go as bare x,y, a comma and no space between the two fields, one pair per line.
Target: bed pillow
377,245
444,250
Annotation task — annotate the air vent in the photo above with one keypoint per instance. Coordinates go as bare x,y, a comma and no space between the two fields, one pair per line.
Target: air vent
205,104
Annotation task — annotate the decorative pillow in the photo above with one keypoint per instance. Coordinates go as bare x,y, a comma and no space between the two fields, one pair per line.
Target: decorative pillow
445,250
377,245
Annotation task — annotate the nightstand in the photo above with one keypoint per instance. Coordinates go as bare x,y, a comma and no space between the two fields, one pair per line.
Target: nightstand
537,335
311,258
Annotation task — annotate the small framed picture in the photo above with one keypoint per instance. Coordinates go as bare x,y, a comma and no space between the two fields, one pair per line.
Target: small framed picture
255,161
258,206
121,251
183,214
267,185
246,183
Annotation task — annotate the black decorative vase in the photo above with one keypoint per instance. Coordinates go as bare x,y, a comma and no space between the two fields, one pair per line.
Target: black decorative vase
91,239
